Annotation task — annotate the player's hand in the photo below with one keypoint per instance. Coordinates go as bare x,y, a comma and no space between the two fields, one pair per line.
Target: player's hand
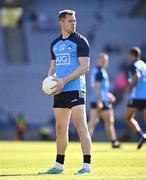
59,86
111,97
99,105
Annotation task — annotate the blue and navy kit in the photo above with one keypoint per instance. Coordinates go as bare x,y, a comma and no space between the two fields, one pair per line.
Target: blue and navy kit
139,91
66,53
100,75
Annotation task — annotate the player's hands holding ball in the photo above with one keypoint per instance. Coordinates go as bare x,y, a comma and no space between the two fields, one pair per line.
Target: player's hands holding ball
59,86
52,85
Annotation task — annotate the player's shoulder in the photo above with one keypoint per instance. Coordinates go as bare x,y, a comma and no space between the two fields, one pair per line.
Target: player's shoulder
78,38
98,74
132,64
135,64
140,63
98,69
55,40
133,67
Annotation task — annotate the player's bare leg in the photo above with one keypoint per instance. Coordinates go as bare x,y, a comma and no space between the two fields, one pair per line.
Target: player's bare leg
130,114
62,116
93,121
108,118
80,122
144,114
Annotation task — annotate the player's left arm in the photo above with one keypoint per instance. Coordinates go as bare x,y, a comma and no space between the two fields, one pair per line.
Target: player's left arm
133,81
82,69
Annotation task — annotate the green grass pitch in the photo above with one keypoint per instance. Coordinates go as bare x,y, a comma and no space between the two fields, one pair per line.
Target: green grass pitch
21,160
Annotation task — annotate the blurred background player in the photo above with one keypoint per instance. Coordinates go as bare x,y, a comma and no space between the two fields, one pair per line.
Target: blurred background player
70,61
137,93
101,100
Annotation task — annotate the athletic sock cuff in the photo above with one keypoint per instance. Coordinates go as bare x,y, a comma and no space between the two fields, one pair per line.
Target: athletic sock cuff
87,159
60,158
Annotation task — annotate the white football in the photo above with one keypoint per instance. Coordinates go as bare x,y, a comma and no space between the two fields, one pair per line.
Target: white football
48,83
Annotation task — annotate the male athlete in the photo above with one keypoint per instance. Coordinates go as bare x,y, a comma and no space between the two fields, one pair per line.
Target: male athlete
137,93
101,100
70,61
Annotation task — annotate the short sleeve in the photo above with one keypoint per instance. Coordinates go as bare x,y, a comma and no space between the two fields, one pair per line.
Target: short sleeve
52,53
83,48
132,69
98,76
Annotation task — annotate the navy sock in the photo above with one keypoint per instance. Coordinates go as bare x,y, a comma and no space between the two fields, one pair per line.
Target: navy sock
113,141
60,158
87,159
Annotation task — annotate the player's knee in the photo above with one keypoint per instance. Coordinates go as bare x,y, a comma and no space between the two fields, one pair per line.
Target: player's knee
83,131
128,118
109,122
60,130
90,125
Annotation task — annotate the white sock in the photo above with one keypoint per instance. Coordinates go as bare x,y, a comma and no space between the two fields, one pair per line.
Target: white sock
87,166
59,166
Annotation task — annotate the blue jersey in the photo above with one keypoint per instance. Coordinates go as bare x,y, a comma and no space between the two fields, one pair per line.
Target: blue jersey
139,91
66,53
100,75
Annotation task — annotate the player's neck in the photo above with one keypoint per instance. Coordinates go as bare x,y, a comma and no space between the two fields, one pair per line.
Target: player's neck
65,35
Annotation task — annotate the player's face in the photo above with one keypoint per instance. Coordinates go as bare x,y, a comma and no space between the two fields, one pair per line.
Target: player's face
68,24
130,57
105,63
102,61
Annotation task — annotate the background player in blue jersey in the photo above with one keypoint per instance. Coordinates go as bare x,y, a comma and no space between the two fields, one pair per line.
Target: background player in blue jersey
70,61
137,93
101,100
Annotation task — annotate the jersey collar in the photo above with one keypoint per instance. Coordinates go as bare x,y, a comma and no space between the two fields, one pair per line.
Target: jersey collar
67,37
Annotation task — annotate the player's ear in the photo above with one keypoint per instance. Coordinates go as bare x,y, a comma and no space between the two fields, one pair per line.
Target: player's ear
60,22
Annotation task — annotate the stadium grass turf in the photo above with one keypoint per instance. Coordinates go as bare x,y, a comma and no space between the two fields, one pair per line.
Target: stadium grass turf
21,160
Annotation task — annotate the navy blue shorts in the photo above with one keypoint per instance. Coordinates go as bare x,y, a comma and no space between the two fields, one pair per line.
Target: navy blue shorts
106,105
139,104
69,99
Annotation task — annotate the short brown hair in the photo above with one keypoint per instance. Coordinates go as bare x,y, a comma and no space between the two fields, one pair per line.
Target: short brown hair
63,13
136,52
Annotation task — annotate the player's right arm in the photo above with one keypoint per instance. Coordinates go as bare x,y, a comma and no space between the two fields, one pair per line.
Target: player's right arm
98,79
52,68
98,96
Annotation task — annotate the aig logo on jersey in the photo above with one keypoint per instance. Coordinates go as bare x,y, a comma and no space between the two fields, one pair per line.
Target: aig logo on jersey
63,59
